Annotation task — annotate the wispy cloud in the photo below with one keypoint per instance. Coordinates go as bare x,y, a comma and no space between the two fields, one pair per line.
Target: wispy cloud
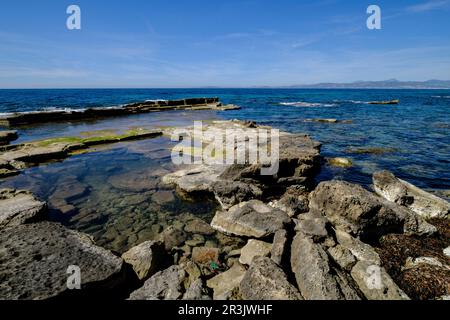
428,6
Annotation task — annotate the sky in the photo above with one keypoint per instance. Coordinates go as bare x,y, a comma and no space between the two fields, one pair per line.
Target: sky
227,43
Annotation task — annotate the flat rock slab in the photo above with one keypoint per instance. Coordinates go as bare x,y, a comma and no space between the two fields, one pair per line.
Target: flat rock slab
403,193
34,260
250,219
19,207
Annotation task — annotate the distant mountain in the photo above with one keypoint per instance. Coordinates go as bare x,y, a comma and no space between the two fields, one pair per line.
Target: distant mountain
386,84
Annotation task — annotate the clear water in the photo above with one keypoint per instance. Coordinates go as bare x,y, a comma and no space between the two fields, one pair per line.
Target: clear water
120,213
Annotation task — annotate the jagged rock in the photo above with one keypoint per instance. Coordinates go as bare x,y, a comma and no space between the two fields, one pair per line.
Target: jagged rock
226,284
375,283
355,210
172,237
360,250
198,226
230,193
205,255
195,291
342,256
19,207
35,258
145,258
278,250
293,202
403,193
254,248
310,265
416,225
313,226
264,280
250,219
164,285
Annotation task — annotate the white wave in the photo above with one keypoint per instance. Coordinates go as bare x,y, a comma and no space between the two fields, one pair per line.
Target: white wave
307,104
441,97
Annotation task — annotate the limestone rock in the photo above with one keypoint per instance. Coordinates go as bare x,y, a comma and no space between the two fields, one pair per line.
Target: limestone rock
264,280
310,265
34,260
293,202
342,256
277,253
250,219
198,226
19,207
403,193
360,250
254,248
205,255
230,193
226,284
164,285
375,283
145,258
172,237
355,210
312,226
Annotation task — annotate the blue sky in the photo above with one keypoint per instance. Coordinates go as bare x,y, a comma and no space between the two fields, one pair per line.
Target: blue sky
232,43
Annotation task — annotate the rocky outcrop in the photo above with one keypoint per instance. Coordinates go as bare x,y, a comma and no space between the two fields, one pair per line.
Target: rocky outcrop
35,260
134,108
250,219
145,258
405,194
7,136
264,280
164,285
19,207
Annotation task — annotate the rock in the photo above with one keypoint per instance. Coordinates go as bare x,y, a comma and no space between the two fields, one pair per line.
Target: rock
310,265
250,219
414,262
7,136
403,193
278,250
264,280
447,251
312,226
19,207
69,191
360,250
164,285
375,283
355,210
205,255
195,291
134,181
254,248
293,202
163,197
340,162
230,193
416,225
226,285
343,257
172,237
35,259
198,226
145,258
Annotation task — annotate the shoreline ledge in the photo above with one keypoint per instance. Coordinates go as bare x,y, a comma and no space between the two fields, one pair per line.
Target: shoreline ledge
36,117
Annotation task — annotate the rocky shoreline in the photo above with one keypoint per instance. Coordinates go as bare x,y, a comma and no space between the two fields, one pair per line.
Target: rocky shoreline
280,237
27,118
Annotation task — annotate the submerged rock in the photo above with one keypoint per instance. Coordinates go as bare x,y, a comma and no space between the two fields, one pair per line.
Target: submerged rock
145,258
164,285
35,258
250,219
19,207
403,193
340,162
264,280
7,136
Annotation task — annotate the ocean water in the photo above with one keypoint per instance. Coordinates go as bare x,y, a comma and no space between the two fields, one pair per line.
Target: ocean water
114,192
